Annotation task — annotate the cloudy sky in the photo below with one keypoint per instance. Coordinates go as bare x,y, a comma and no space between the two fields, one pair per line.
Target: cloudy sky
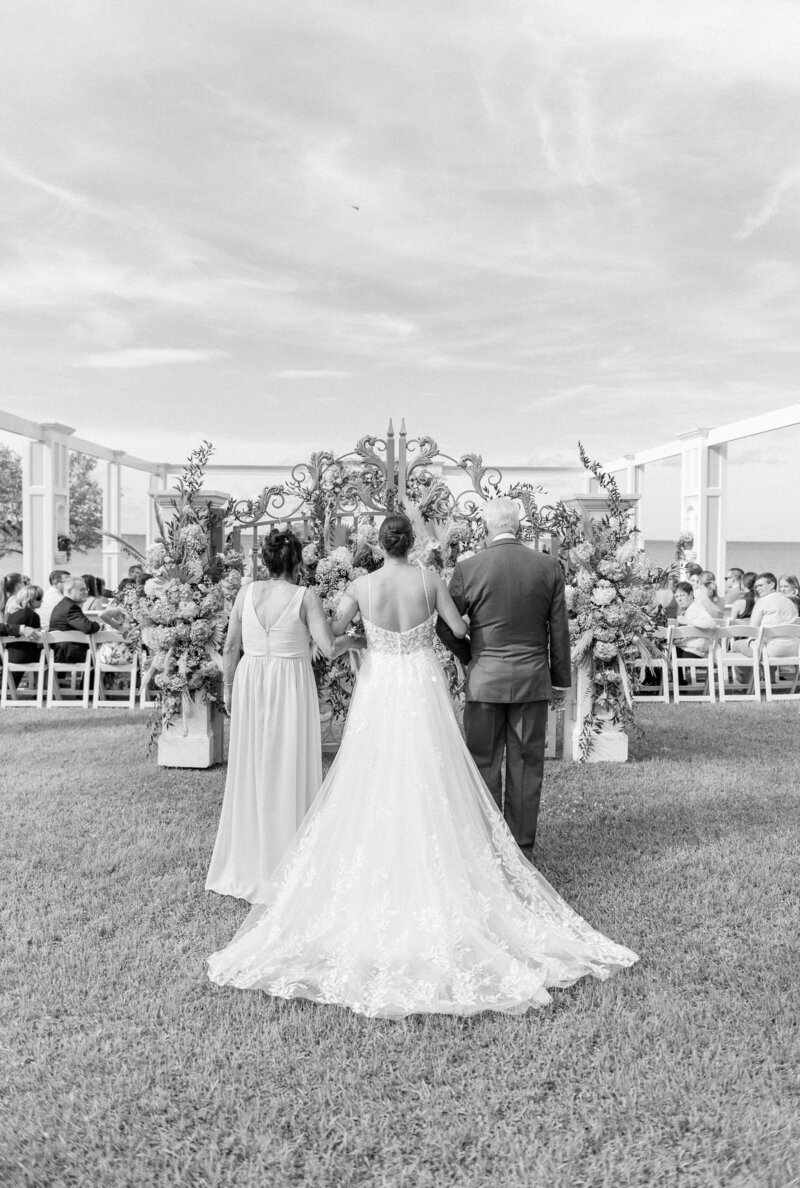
274,225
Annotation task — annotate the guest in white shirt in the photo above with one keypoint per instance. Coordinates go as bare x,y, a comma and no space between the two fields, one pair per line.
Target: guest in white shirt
52,596
692,613
771,610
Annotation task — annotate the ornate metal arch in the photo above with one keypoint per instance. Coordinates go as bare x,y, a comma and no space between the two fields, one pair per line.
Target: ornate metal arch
376,477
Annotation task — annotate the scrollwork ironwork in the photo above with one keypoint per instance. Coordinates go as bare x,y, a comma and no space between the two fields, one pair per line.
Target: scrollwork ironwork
365,481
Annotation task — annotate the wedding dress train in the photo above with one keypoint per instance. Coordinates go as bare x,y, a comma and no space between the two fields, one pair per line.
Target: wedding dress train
404,892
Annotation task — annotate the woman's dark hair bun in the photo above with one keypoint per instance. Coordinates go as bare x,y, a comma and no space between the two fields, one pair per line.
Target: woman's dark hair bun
396,535
281,552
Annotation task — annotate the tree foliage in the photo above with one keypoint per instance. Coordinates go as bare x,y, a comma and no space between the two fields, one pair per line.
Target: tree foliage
10,501
85,504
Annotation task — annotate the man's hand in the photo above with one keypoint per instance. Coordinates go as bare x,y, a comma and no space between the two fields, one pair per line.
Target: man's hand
558,699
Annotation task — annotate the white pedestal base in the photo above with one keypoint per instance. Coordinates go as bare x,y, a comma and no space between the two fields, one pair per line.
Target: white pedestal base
610,745
194,739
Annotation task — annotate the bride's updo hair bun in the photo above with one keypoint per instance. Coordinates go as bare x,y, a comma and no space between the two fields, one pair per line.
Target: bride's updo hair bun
396,535
281,552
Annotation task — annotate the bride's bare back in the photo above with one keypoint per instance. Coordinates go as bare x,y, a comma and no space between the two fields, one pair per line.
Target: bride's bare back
394,597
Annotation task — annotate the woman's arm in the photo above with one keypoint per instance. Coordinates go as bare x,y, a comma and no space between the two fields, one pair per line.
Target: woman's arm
348,609
322,632
231,652
447,609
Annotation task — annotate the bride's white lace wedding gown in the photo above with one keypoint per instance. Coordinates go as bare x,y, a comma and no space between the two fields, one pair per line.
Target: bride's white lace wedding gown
404,892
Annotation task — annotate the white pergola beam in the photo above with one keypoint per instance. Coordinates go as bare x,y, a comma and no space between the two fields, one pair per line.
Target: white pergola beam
672,449
781,418
9,423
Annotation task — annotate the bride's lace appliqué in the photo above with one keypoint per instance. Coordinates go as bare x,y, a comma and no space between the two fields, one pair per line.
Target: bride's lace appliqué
404,891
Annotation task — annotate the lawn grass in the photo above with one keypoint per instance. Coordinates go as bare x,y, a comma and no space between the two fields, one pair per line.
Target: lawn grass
123,1065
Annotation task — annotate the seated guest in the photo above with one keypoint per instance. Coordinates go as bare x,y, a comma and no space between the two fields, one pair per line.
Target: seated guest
12,582
134,572
789,585
52,595
708,584
25,623
695,575
95,601
734,590
743,608
692,613
771,610
67,615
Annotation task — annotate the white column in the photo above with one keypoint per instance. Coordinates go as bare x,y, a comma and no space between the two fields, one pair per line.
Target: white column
158,484
45,501
112,522
716,511
634,485
694,490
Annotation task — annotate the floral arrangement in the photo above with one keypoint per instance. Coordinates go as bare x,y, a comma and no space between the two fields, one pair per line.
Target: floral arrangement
612,605
684,542
179,613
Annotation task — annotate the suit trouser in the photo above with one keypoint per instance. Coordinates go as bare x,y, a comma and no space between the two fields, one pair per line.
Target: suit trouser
519,729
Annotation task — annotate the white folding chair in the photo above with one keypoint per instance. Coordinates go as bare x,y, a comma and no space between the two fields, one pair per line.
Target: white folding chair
13,694
781,674
700,669
654,660
737,672
71,696
124,698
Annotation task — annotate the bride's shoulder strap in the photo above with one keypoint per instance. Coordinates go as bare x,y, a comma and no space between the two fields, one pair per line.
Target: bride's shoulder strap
425,591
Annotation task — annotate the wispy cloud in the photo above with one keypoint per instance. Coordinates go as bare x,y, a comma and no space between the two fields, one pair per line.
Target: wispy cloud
770,203
149,357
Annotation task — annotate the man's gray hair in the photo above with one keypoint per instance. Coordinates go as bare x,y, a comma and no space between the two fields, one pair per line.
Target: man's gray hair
70,584
501,515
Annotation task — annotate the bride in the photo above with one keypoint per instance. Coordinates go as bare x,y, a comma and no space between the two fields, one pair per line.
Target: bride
404,891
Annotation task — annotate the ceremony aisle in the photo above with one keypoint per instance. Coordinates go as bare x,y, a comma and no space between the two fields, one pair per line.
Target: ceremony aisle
121,1064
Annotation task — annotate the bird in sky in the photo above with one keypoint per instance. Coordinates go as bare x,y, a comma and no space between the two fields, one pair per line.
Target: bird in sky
355,208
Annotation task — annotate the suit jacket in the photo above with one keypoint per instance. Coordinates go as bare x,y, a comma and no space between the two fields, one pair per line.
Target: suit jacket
68,616
518,629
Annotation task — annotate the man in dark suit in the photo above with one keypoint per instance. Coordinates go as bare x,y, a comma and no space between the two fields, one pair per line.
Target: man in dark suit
67,615
518,662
